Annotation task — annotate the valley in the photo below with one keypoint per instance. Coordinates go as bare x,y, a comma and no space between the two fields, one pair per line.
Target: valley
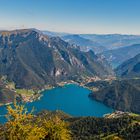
56,63
54,74
69,70
70,98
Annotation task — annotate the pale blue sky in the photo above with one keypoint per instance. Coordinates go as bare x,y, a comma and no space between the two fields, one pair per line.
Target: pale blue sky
75,16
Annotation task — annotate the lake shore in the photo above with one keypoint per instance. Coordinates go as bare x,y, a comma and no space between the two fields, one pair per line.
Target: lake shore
36,95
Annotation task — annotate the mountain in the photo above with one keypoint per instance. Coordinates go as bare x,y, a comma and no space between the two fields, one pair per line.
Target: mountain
116,57
32,59
85,44
113,41
100,42
130,68
121,95
54,34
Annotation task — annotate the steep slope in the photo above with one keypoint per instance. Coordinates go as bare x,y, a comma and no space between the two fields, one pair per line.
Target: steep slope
85,44
116,57
32,59
122,95
130,68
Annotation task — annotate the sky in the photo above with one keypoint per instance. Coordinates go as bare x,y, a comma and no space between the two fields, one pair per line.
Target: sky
73,16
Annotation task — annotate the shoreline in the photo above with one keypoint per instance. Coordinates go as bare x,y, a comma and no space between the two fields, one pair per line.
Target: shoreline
26,98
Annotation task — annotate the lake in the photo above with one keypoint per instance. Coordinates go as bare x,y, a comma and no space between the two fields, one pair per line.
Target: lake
71,99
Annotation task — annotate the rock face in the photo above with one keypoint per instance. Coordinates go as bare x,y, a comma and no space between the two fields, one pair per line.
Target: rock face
130,68
32,59
122,95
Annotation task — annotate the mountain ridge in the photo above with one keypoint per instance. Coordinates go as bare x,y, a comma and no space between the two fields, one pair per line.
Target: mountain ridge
130,68
83,43
38,59
116,56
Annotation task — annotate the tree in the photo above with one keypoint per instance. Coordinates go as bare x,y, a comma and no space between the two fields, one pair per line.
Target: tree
57,129
22,125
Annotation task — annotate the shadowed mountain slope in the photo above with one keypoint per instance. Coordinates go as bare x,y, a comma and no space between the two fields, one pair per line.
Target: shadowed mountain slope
32,59
130,68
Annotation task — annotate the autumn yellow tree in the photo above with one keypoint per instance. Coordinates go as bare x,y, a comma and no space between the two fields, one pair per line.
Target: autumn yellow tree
57,129
22,125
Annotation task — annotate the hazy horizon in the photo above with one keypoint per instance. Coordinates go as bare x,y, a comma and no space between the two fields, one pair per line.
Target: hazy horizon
12,29
74,16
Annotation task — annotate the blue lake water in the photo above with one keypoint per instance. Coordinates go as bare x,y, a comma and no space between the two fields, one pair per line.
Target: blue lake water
71,99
